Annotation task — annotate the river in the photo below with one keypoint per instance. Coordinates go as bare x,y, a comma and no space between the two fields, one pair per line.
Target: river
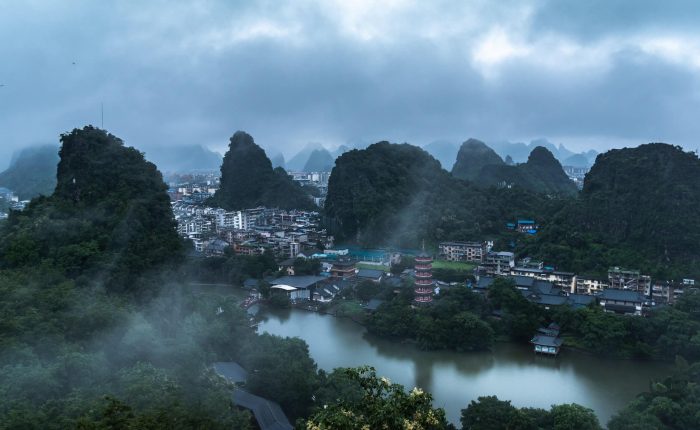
511,372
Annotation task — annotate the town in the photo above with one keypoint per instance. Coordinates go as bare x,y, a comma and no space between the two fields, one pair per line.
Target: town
293,234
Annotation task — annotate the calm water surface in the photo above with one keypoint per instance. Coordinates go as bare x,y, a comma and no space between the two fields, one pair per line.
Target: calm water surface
511,372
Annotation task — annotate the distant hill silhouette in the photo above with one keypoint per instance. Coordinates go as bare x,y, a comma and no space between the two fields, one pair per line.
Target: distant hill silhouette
320,160
32,172
248,180
473,156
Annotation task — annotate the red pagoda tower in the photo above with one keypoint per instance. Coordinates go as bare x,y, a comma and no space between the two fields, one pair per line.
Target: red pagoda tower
424,285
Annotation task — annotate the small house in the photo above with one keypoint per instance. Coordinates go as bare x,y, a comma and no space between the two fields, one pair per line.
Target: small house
546,344
372,275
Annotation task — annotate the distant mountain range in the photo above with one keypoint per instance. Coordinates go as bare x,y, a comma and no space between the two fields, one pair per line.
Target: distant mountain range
32,172
520,152
445,152
315,157
320,160
541,173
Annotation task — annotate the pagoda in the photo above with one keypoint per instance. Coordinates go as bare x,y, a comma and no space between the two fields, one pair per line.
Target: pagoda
424,284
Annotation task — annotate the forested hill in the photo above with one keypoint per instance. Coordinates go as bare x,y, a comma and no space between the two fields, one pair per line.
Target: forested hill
472,157
638,208
391,194
541,173
109,216
248,180
32,172
320,160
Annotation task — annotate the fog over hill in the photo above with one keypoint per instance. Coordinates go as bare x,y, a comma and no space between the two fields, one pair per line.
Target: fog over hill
183,158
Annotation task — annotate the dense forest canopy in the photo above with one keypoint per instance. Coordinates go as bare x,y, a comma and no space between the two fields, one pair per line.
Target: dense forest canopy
248,180
637,209
390,194
32,172
109,215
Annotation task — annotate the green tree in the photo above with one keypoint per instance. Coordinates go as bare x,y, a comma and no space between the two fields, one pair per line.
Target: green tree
573,417
383,405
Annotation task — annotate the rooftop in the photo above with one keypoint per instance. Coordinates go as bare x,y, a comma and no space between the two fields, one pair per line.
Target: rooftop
370,273
544,340
374,304
303,282
484,282
622,295
232,371
268,414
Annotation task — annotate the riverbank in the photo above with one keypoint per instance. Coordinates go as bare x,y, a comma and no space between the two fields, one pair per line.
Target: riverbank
360,319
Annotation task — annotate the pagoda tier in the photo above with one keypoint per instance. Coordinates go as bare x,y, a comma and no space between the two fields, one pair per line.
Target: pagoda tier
423,283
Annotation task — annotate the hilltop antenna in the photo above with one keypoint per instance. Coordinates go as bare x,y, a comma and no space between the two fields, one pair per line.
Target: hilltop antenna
102,115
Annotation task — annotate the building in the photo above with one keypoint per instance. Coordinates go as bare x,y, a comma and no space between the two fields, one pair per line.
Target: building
268,414
623,279
343,268
463,251
497,263
372,275
547,340
297,287
373,305
215,248
628,302
668,292
424,284
288,266
587,285
549,345
527,226
231,371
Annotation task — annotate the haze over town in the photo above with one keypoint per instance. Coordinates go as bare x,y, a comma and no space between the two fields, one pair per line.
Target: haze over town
590,75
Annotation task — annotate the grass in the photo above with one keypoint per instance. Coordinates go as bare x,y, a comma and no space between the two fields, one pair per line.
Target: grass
361,265
459,266
349,308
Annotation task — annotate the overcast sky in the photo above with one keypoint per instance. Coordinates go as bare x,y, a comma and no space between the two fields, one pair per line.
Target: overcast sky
590,74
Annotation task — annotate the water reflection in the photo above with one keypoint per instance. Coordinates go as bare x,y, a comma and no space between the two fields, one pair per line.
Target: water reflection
511,372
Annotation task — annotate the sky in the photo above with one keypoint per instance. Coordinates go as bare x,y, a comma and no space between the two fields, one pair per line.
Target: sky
590,74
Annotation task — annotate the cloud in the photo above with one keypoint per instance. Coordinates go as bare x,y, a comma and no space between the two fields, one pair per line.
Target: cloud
293,72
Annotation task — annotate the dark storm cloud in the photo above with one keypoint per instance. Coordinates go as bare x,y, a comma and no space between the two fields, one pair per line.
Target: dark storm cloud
290,73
